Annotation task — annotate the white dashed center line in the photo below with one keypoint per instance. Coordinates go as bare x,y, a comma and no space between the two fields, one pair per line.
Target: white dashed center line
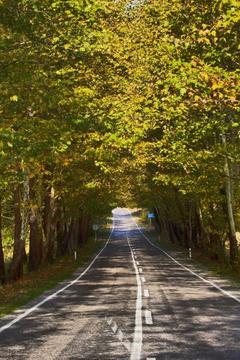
146,293
148,317
140,270
114,327
136,347
143,279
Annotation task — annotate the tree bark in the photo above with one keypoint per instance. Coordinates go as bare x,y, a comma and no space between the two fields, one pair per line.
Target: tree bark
62,238
2,264
190,223
49,224
20,231
229,198
36,228
83,228
73,238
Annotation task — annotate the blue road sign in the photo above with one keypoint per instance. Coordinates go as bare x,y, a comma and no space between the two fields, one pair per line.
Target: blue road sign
151,216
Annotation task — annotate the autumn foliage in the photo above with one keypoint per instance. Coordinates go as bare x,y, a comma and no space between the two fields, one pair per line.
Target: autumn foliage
118,102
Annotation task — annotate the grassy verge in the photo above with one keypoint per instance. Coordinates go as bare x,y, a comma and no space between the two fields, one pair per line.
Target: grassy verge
203,261
217,268
14,295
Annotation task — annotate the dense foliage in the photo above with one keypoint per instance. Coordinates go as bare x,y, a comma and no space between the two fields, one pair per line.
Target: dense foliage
188,87
117,101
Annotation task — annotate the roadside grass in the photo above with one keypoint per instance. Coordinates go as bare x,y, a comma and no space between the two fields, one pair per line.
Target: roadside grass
16,294
203,261
218,268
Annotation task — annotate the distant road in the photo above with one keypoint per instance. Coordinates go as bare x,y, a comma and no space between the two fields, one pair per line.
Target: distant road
134,302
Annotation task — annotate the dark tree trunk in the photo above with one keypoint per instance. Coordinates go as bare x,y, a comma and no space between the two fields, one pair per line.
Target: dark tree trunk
83,228
171,232
2,265
60,238
73,238
16,267
49,225
233,243
233,249
36,229
158,219
190,225
178,232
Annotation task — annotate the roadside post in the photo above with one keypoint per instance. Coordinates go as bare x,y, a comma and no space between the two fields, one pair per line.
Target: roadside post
95,229
150,217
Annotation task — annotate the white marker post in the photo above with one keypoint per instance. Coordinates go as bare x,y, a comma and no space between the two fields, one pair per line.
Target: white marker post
95,229
190,253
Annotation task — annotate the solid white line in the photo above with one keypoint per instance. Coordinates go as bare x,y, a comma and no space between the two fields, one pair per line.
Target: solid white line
146,293
143,279
189,270
137,338
148,317
151,358
50,297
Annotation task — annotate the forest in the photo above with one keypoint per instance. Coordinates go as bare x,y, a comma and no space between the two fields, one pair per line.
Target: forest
107,103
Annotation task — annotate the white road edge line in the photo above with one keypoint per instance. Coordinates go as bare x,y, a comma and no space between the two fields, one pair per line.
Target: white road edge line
189,270
136,348
50,297
148,317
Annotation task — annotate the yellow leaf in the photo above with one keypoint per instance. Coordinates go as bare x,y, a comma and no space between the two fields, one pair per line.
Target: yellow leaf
214,86
14,98
204,75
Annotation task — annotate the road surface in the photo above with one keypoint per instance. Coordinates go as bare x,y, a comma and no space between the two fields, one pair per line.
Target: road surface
132,302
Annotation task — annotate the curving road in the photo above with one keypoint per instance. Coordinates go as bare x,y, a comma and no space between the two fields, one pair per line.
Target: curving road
133,302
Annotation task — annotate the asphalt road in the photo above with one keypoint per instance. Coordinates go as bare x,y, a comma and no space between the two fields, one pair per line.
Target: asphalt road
133,302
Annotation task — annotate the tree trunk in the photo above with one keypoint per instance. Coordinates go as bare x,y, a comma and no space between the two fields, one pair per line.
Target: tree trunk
62,238
201,233
190,223
158,219
83,228
2,265
73,238
229,198
36,228
49,224
20,231
171,232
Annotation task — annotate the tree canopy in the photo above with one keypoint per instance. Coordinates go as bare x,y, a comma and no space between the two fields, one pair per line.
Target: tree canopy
118,102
